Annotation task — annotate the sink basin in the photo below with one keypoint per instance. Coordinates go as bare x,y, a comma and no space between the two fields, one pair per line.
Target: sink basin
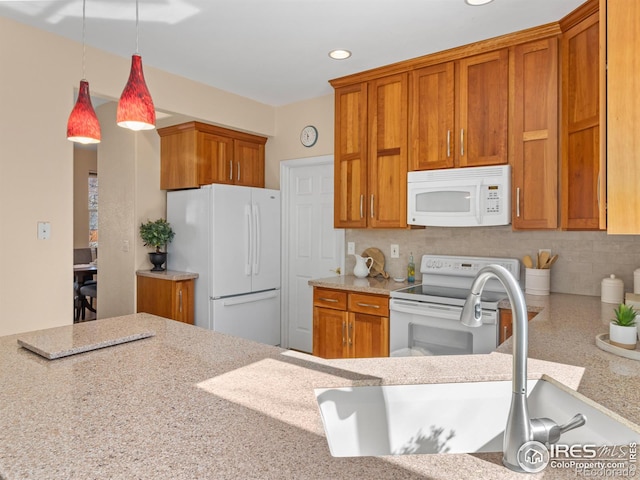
453,417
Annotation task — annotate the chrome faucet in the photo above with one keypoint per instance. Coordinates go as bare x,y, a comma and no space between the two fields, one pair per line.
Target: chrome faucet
520,428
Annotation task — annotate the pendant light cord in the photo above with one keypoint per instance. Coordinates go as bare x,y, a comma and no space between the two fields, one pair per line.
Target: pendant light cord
84,47
137,28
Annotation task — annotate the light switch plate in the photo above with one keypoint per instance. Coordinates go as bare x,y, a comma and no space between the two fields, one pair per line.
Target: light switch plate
351,248
395,251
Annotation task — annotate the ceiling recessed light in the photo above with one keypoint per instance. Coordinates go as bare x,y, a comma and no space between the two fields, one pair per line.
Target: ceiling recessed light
339,54
477,2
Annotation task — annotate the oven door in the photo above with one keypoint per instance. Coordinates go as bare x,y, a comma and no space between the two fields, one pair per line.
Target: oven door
419,328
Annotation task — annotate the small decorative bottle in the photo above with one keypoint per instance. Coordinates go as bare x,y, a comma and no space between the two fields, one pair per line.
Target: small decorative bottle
411,270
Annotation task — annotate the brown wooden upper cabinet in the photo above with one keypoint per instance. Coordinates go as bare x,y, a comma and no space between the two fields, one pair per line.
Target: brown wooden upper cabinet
371,154
194,154
459,112
583,168
534,134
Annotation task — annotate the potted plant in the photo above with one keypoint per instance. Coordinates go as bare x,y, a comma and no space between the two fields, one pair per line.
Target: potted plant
622,329
157,234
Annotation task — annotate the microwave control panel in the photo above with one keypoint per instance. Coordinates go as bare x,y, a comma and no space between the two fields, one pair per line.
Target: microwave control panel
492,199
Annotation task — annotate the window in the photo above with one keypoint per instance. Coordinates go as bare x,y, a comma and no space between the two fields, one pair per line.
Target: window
93,210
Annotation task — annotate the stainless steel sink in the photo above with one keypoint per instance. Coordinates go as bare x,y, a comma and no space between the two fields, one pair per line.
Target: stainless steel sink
453,417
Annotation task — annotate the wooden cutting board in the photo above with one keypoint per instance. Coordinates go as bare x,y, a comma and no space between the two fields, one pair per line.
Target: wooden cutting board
378,262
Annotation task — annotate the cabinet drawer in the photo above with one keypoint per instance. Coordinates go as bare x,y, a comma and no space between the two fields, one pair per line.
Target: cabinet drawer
369,304
326,298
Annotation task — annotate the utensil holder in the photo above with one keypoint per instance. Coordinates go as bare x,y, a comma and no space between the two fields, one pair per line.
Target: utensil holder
537,281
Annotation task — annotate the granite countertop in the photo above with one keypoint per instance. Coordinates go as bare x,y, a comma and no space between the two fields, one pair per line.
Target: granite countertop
171,275
377,285
189,403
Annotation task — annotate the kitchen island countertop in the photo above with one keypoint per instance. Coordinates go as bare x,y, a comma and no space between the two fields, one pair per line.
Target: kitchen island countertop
189,403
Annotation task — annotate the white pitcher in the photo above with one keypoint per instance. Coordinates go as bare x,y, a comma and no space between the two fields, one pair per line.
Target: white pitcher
361,269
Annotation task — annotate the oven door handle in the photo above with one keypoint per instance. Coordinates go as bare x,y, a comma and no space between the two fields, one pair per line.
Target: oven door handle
417,308
445,312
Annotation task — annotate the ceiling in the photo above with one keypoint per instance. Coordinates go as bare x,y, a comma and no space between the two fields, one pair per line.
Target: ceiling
276,51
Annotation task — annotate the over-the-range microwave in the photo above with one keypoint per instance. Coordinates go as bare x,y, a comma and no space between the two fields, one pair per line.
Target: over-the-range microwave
460,197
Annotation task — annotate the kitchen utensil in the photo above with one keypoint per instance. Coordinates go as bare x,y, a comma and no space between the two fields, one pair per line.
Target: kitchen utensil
528,262
551,261
378,262
543,257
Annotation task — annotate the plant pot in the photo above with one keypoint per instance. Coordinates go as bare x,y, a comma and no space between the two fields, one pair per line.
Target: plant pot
157,259
623,337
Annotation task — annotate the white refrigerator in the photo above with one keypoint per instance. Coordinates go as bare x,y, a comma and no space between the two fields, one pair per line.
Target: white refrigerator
230,236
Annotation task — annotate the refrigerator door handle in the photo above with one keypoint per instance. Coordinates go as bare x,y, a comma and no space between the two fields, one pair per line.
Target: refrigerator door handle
256,239
248,239
242,299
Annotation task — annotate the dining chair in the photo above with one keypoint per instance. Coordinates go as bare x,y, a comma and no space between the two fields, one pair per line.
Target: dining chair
90,291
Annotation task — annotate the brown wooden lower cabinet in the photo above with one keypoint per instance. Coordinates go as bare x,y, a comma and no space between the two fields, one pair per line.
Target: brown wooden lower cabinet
166,296
350,325
506,324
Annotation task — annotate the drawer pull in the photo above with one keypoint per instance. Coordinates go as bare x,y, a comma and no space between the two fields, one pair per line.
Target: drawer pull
368,305
330,300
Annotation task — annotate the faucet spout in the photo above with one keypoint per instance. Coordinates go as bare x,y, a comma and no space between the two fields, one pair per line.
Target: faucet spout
518,430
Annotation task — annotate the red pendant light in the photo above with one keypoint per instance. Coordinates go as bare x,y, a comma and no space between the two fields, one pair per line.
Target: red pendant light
83,125
135,108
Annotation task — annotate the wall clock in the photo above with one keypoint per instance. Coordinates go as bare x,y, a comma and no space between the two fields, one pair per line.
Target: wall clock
309,136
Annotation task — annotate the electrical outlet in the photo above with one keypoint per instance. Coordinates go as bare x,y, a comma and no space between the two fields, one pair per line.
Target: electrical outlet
395,251
44,230
548,250
351,248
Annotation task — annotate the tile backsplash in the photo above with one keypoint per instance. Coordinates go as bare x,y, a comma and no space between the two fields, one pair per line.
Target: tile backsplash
585,258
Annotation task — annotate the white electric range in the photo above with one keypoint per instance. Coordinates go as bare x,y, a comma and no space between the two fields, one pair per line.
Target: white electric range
425,318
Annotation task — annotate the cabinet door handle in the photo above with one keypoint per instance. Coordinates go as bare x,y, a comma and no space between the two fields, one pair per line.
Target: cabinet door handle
332,300
504,334
180,301
350,333
238,174
368,305
344,331
462,142
598,189
518,202
361,205
448,143
372,205
231,170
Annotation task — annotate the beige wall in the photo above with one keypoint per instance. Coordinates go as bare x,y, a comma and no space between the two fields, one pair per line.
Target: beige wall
39,74
290,120
85,161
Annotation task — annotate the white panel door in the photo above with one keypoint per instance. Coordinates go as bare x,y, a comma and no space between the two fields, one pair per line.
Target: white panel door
313,248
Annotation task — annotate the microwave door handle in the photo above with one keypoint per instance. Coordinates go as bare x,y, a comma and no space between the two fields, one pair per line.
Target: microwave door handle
478,203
